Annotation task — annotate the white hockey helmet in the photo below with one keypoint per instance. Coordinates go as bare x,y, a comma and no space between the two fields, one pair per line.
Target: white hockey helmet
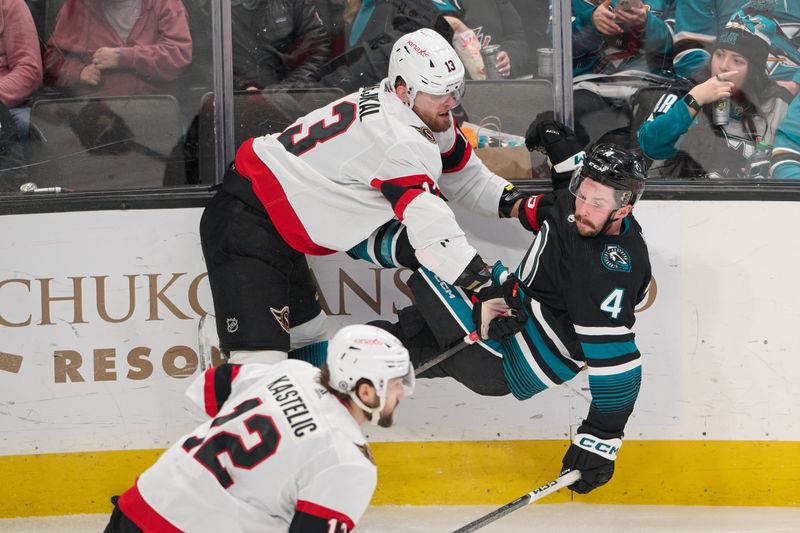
427,63
368,352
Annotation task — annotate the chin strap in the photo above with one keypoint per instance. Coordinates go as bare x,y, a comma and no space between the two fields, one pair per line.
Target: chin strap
374,411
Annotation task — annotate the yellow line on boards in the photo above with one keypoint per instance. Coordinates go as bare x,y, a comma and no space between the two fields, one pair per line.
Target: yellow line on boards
454,473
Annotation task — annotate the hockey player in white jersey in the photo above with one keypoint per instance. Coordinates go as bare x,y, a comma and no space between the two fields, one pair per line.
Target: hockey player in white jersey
282,449
331,181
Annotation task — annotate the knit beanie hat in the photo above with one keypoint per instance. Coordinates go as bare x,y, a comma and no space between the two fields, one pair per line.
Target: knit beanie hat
748,35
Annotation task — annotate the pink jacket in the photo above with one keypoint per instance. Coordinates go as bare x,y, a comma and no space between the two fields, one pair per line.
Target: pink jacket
158,48
20,59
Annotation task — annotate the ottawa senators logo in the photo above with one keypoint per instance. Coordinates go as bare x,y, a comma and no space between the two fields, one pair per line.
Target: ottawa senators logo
426,132
364,449
282,317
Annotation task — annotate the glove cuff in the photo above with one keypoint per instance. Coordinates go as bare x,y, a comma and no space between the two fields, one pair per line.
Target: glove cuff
527,213
606,448
508,199
499,273
570,163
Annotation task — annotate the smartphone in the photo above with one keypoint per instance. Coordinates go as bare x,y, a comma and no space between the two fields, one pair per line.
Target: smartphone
628,5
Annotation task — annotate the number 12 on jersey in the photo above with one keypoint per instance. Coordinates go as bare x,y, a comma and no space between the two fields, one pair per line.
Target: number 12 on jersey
613,303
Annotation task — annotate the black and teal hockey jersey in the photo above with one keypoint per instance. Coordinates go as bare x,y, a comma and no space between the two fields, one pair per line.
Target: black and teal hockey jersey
580,294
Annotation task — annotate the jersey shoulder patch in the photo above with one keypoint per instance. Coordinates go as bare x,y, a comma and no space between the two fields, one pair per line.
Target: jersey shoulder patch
426,132
365,451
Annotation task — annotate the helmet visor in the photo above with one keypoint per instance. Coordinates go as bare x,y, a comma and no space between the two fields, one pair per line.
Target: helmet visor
596,194
456,92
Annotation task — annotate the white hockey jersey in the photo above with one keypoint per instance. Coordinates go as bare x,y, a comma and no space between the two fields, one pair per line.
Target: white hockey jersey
278,445
337,174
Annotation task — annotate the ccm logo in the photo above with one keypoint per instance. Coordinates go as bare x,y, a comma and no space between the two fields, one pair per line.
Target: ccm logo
602,447
371,342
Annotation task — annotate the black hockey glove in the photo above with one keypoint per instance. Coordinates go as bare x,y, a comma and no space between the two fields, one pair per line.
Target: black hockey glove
559,143
508,199
476,276
593,455
534,210
497,310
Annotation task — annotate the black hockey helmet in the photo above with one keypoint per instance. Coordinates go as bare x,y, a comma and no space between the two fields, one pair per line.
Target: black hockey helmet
622,170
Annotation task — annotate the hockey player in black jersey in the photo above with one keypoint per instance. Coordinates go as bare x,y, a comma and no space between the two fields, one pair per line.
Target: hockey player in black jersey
580,280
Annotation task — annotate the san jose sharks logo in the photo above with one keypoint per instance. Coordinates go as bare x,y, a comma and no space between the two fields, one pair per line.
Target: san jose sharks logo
615,258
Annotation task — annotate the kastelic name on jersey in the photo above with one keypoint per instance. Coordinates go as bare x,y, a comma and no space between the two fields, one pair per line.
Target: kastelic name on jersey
615,258
291,403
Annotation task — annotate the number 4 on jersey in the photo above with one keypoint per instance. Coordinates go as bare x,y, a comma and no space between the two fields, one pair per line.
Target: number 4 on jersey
613,303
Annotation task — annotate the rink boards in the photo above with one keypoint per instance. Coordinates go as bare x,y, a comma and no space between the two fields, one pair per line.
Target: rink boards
98,340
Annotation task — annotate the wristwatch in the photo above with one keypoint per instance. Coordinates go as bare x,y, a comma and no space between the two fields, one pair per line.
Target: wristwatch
691,102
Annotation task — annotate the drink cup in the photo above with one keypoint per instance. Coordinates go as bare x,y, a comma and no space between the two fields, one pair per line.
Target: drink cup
721,112
489,54
544,61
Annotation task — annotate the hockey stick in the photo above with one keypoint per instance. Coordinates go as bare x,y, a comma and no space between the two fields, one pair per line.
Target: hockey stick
470,339
564,481
206,340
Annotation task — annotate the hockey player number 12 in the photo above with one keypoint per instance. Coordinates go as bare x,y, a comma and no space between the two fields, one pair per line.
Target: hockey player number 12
210,448
613,303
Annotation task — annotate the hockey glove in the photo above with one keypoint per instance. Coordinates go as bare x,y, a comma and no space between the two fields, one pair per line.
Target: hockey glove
594,456
534,210
558,142
508,199
476,276
497,310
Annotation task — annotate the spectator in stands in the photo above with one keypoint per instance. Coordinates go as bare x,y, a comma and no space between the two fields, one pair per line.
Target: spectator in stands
373,26
681,130
38,10
20,60
785,161
619,46
277,42
697,23
497,22
534,18
118,47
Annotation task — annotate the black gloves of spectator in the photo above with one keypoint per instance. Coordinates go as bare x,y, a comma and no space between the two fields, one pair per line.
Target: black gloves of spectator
497,310
593,453
559,143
